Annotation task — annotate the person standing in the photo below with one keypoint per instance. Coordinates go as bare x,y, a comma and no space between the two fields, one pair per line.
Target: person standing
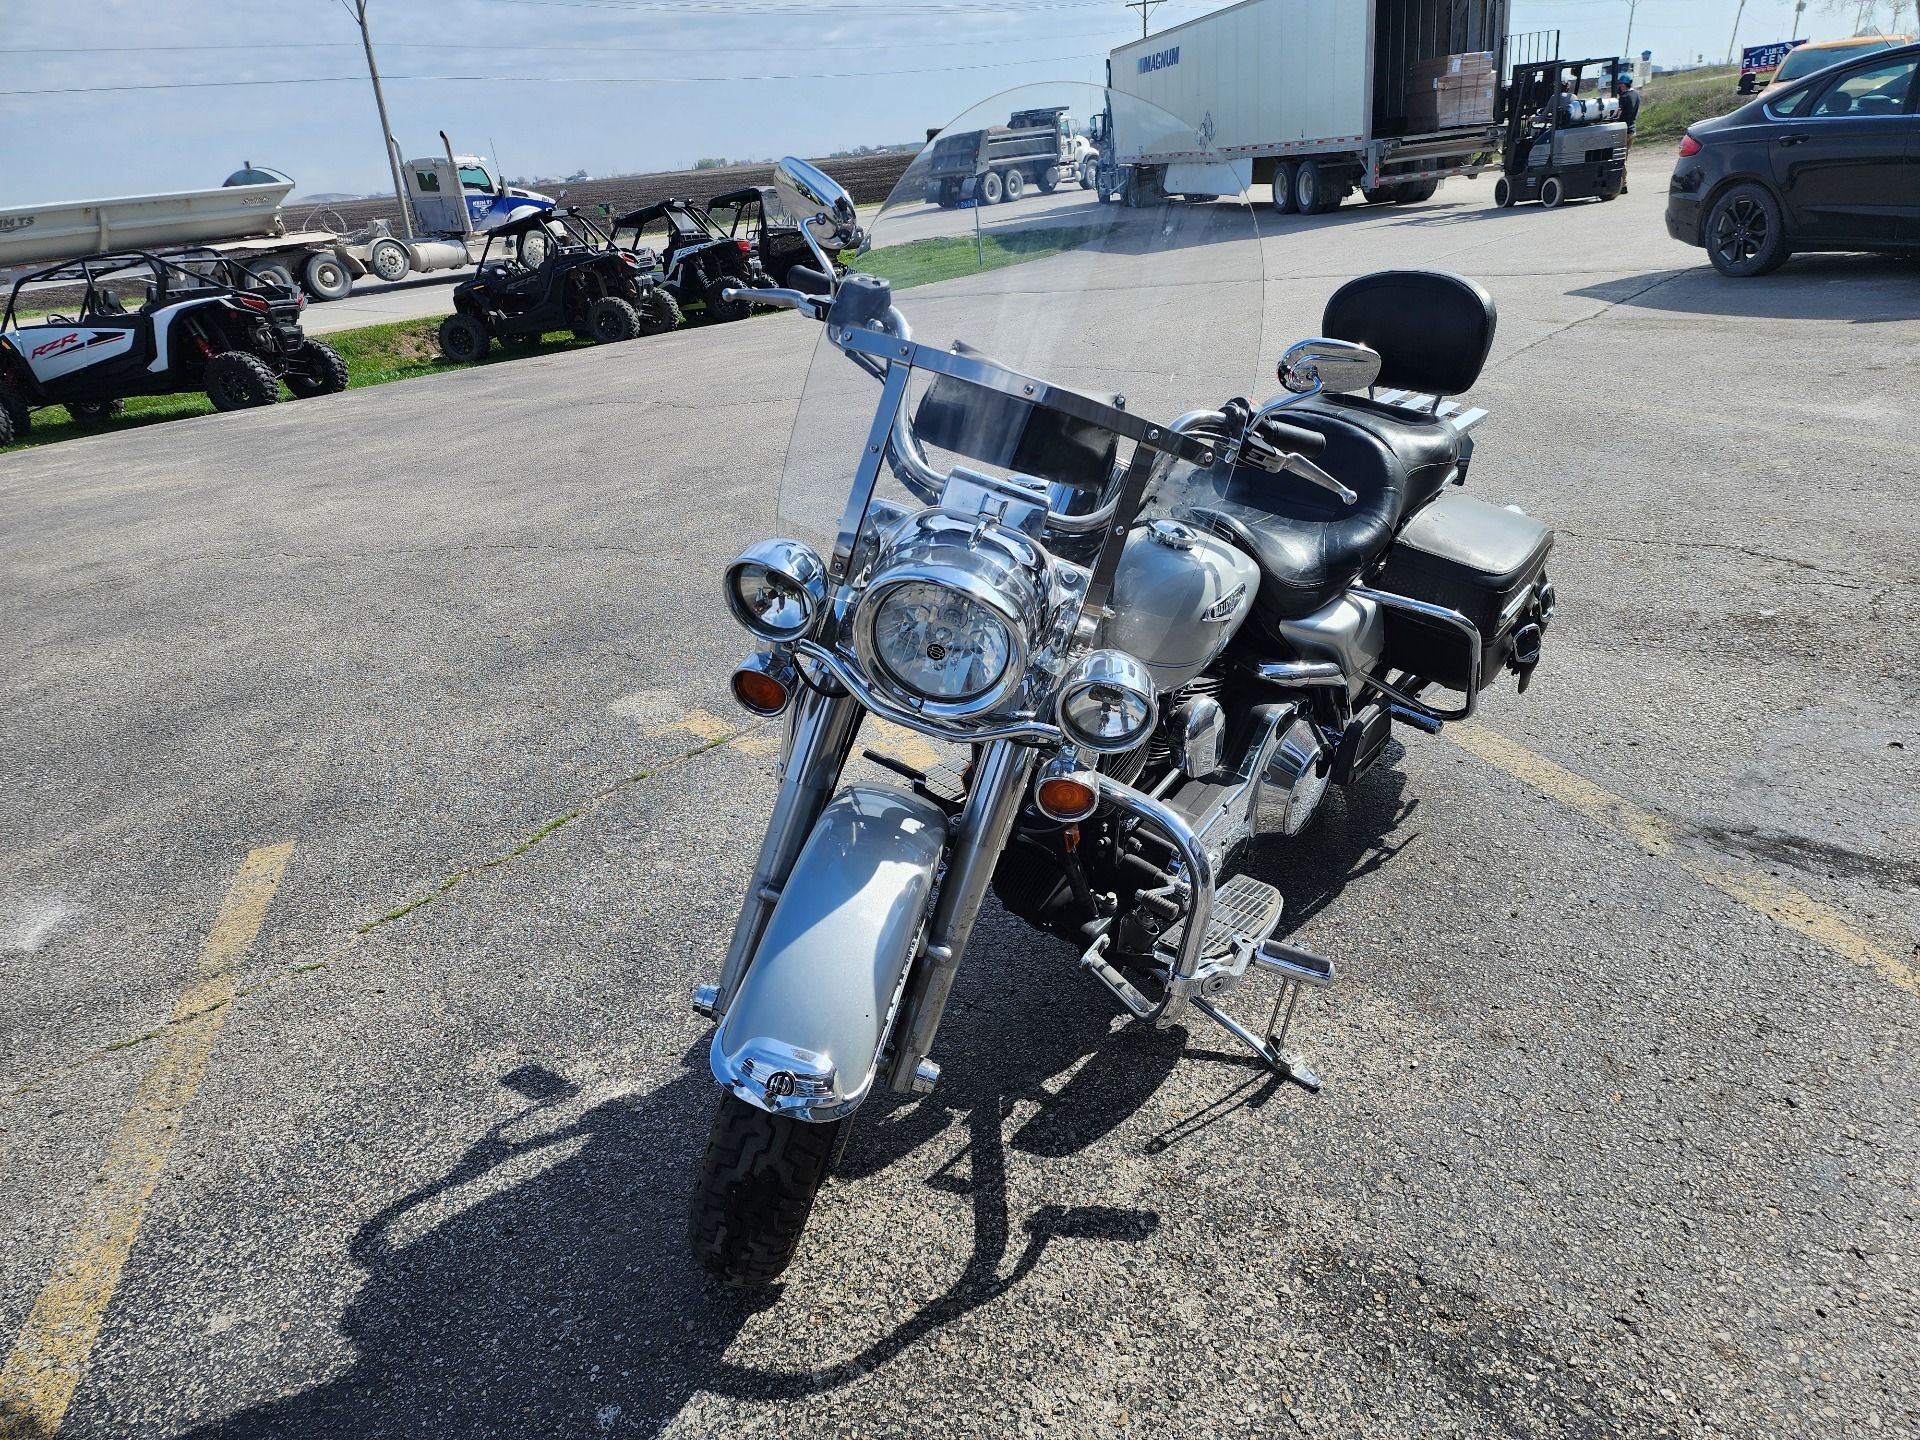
1630,113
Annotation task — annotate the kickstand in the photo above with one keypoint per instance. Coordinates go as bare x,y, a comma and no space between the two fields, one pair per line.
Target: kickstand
1286,1066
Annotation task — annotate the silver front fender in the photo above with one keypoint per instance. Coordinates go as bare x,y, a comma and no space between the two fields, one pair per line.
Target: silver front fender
803,1033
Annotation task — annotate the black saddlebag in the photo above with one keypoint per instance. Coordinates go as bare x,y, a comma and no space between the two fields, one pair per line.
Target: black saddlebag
1485,562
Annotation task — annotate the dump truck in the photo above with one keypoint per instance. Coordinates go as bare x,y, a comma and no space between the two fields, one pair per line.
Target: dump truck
1314,98
1034,150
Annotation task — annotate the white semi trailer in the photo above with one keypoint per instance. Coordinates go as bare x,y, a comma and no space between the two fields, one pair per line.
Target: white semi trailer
1316,98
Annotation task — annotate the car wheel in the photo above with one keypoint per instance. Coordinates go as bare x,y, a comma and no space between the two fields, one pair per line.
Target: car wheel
990,188
658,312
464,339
95,410
236,380
612,320
327,278
1744,233
1503,194
317,369
388,259
13,405
725,310
1015,184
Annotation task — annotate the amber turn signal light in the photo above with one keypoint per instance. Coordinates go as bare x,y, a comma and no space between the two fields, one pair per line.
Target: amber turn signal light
1066,797
759,692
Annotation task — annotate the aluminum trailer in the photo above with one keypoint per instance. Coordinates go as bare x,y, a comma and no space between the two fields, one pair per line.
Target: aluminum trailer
1275,88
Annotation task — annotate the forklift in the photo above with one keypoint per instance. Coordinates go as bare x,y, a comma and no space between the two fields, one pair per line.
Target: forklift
1561,145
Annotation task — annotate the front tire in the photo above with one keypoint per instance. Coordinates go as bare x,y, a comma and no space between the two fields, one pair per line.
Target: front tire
236,380
388,259
611,320
464,339
1744,233
756,1188
322,371
1503,194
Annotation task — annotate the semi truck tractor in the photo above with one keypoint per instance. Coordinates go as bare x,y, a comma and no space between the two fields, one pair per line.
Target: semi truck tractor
1034,150
1315,98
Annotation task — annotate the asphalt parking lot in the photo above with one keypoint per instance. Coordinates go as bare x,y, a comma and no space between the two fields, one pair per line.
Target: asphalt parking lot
371,802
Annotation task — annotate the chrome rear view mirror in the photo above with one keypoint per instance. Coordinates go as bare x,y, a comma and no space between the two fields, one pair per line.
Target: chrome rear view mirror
1334,366
817,201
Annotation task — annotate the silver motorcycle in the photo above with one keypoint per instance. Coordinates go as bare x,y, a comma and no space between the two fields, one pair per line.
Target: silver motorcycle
1123,648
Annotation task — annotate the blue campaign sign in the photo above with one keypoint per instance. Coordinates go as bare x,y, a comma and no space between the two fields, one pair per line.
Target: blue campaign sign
1755,59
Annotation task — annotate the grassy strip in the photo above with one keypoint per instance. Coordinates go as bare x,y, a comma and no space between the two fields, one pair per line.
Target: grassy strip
923,262
1675,102
375,355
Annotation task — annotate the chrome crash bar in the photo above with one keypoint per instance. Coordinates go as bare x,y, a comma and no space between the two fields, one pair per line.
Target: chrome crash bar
1183,978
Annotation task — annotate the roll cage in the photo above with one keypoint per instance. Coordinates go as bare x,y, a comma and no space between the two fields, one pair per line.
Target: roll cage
168,280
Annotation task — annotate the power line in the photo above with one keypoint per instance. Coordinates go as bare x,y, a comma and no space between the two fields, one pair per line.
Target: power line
554,79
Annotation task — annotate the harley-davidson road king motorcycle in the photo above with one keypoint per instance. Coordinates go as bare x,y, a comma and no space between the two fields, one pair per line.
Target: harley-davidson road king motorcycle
1148,621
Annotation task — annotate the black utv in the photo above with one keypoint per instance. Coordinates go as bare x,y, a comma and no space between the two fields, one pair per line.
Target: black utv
553,271
754,214
135,323
697,261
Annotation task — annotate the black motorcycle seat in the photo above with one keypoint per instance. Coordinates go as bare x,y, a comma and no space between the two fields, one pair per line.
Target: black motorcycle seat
1311,546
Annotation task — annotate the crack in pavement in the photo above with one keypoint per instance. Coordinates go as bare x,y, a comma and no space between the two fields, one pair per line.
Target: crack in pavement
341,951
1748,550
1605,308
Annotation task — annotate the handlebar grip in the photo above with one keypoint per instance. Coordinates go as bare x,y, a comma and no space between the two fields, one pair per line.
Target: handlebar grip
809,281
1297,438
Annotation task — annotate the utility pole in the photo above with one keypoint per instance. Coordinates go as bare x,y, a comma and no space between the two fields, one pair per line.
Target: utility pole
1734,39
1145,7
358,9
1632,6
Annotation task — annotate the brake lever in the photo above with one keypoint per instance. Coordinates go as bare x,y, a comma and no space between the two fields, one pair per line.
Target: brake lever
1276,461
781,299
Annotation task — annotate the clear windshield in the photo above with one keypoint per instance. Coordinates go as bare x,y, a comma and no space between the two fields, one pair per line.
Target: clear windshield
1001,239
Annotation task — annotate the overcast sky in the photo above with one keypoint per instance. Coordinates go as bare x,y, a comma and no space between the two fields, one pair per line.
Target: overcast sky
689,77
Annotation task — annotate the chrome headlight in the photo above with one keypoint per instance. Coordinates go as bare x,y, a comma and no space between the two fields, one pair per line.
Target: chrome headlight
776,588
1108,703
948,620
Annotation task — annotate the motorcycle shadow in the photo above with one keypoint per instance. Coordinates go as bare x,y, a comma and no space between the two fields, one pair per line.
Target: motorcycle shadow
541,1285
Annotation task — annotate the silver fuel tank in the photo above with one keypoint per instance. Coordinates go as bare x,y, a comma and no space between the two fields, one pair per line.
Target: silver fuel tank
1179,596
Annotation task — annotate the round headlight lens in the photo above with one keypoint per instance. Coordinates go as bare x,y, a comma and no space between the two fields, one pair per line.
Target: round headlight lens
1108,704
775,588
938,643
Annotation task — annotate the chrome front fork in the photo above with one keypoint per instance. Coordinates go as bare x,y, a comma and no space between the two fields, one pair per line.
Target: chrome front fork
993,804
820,736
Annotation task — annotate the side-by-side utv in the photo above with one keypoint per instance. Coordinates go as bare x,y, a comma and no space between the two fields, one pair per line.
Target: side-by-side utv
1562,145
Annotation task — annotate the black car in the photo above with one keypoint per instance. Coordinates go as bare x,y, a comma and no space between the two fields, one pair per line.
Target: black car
1830,164
553,271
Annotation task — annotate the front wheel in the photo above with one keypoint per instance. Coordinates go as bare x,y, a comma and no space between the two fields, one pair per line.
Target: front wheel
463,339
756,1188
1503,193
1744,233
389,260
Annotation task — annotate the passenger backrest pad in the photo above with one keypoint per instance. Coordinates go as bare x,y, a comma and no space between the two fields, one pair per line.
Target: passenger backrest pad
1433,330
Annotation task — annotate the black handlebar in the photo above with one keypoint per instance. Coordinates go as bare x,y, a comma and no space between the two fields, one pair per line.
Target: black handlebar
1297,438
811,281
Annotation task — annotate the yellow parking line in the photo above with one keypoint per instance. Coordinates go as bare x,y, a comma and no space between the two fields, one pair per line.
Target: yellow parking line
1780,903
50,1356
903,744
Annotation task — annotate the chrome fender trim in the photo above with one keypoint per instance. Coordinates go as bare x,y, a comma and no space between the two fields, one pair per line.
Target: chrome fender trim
803,1034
